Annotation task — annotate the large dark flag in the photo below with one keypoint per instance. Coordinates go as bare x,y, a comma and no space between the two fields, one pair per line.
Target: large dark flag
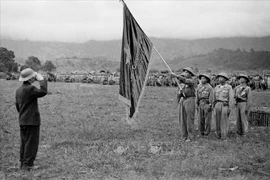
135,58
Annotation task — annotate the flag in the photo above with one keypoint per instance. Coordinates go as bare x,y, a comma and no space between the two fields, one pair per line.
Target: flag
135,57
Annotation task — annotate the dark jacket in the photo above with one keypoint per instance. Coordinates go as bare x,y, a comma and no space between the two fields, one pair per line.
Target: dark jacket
27,103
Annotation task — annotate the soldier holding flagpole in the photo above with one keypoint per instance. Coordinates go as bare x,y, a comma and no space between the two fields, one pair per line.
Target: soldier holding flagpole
187,104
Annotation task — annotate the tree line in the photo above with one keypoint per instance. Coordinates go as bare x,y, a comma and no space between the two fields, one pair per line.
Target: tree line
241,59
8,64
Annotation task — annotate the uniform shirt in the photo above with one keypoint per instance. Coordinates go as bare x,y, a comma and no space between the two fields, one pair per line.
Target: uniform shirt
27,103
243,93
189,86
204,92
224,93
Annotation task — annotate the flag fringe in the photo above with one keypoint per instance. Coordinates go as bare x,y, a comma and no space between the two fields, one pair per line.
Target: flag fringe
144,84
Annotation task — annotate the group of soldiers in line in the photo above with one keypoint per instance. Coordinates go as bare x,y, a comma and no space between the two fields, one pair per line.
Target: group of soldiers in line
204,98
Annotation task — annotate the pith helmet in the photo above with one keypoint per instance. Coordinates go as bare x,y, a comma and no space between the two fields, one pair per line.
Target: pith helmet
244,76
189,70
222,74
206,76
27,74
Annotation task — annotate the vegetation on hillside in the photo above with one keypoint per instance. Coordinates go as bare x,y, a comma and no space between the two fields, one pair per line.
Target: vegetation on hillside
227,59
7,62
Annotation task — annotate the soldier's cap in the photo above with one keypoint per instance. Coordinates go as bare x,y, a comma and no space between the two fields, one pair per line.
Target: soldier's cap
189,70
244,76
206,76
182,74
222,74
27,74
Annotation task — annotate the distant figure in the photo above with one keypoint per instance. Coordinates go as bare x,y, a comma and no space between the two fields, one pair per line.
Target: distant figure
257,79
223,102
204,101
29,117
243,100
187,104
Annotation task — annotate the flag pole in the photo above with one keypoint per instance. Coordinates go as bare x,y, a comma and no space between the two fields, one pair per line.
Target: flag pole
162,59
166,65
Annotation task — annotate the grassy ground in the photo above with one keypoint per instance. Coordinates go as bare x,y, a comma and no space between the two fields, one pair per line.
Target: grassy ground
84,135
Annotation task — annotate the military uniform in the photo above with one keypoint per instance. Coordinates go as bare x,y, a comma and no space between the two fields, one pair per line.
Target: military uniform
204,100
187,105
243,100
223,100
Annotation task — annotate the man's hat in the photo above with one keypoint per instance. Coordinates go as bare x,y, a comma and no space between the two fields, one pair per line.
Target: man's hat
27,74
189,70
222,74
206,76
244,76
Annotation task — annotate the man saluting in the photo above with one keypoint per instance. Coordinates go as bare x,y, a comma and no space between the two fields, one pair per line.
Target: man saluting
29,117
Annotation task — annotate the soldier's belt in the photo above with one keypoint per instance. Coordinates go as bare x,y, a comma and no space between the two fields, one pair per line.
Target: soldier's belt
225,103
204,100
189,97
240,100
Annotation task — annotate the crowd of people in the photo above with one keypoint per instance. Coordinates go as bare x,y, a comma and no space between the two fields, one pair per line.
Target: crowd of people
257,82
206,99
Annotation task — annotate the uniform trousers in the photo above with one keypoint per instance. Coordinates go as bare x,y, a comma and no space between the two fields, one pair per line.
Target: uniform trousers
222,118
29,144
205,118
187,117
241,118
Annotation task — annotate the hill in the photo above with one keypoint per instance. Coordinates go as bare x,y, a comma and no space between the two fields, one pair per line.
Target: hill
173,50
85,64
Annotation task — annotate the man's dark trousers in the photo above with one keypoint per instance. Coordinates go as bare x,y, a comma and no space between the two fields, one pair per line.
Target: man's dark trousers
29,144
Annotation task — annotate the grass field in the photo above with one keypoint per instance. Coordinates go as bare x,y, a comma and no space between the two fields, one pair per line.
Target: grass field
84,135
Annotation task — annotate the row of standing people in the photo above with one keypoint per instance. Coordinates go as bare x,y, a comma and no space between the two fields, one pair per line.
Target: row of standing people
205,99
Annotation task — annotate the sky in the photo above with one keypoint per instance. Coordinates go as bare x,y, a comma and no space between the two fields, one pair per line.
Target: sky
84,20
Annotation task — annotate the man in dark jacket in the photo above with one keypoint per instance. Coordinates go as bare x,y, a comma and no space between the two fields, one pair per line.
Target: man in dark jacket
29,116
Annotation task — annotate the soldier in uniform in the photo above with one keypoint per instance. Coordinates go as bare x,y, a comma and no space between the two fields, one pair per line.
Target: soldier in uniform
243,99
223,102
204,101
187,103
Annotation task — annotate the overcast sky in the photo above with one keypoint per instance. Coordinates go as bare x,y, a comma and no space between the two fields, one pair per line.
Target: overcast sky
80,21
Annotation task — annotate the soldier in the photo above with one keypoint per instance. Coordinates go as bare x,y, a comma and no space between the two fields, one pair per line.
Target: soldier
187,104
243,99
204,101
223,102
257,81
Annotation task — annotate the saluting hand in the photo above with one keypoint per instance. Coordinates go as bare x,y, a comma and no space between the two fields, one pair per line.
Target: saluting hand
39,77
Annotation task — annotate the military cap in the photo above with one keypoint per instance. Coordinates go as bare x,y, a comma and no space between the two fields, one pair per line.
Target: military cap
206,76
189,70
222,74
244,76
